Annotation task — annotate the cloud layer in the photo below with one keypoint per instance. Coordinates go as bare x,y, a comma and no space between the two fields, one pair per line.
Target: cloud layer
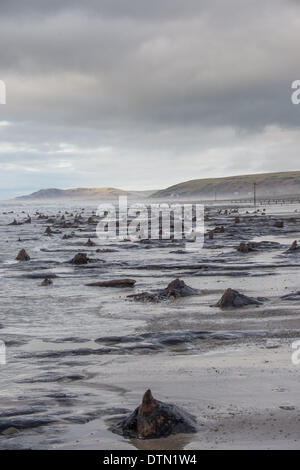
142,94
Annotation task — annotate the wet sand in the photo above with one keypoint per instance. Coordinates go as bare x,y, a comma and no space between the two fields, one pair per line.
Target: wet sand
79,357
236,393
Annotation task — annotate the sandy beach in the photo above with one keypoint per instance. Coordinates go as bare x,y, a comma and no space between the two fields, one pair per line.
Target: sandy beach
79,358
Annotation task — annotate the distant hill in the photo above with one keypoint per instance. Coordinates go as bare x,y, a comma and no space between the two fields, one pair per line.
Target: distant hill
236,187
83,193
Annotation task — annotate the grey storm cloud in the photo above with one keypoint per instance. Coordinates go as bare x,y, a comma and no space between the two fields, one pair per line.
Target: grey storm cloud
133,84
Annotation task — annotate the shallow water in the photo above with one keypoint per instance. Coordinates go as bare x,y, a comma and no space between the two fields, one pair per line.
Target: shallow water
62,381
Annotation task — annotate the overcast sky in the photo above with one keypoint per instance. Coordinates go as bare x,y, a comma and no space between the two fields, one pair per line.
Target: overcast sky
142,94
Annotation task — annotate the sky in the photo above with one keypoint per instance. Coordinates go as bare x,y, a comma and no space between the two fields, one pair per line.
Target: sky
141,94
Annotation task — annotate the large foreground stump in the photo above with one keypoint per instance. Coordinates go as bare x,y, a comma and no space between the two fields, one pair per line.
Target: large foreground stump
155,419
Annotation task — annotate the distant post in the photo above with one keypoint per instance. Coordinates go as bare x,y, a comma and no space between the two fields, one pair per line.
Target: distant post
254,194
